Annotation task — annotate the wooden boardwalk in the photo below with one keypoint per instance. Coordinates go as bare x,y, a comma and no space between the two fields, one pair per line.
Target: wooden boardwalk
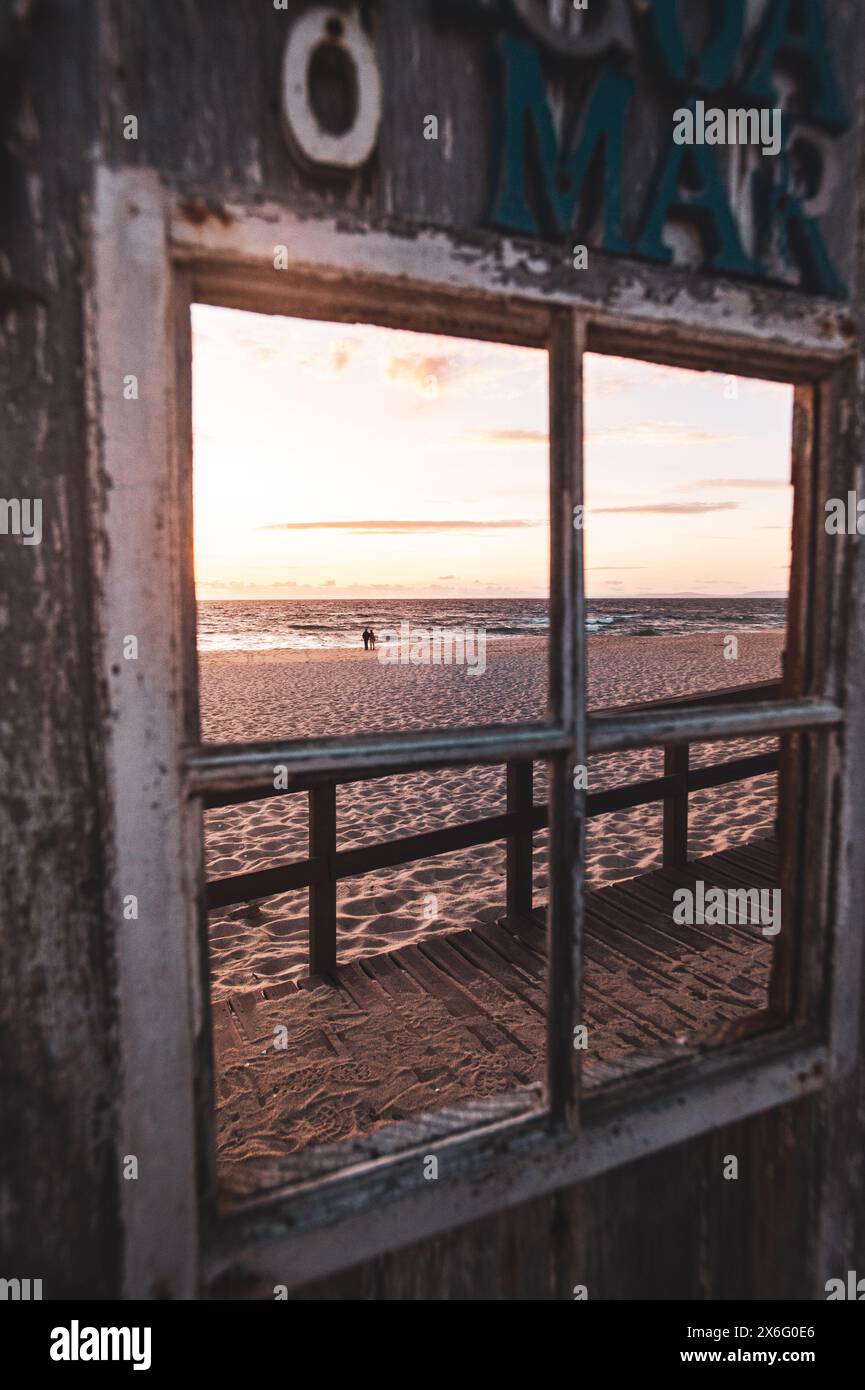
444,1025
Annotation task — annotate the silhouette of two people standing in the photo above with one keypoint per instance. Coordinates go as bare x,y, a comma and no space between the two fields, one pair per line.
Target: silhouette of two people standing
368,639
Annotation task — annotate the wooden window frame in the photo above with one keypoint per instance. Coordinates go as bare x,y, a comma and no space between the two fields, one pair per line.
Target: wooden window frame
158,249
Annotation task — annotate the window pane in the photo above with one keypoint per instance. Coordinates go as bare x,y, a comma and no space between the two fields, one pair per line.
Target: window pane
377,946
352,479
434,1012
688,533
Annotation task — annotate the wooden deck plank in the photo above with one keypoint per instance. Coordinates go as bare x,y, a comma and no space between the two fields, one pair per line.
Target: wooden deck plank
503,1009
643,993
727,956
511,949
645,922
690,941
639,990
659,894
368,994
743,868
395,1047
722,985
735,874
530,992
533,935
455,1000
759,855
387,973
620,1021
429,965
531,931
735,932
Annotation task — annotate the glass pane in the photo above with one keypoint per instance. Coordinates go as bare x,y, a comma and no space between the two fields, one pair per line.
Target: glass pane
352,480
372,552
688,541
433,1012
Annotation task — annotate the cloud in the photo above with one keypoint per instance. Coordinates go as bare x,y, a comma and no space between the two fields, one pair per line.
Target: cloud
341,354
388,588
611,377
761,483
506,436
260,351
446,576
397,528
672,508
243,585
415,371
662,432
333,362
431,374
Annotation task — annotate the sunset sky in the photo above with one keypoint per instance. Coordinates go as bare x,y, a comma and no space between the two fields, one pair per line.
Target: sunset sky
337,461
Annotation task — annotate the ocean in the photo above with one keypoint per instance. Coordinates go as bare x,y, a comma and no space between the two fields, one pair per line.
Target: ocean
269,624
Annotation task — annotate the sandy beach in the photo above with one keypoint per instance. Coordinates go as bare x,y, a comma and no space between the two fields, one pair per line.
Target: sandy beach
248,696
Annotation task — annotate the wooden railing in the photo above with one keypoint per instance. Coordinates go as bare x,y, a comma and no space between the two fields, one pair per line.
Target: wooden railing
326,865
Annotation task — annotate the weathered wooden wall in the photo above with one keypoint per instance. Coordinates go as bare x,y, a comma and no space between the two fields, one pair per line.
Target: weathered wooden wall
668,1227
203,78
58,1060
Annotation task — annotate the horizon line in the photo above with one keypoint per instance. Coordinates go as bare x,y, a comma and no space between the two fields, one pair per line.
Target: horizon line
475,598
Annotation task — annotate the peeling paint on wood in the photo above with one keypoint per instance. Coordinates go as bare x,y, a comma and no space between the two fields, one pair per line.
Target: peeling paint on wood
626,1220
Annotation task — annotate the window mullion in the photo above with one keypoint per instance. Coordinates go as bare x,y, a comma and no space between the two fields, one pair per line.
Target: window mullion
610,733
567,694
250,767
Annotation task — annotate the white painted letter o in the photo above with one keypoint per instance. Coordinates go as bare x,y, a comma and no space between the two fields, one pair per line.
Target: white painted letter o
343,30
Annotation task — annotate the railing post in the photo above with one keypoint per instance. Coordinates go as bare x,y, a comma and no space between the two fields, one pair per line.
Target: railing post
676,806
322,896
520,789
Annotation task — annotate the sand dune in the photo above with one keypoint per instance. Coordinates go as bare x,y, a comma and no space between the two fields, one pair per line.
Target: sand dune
254,696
